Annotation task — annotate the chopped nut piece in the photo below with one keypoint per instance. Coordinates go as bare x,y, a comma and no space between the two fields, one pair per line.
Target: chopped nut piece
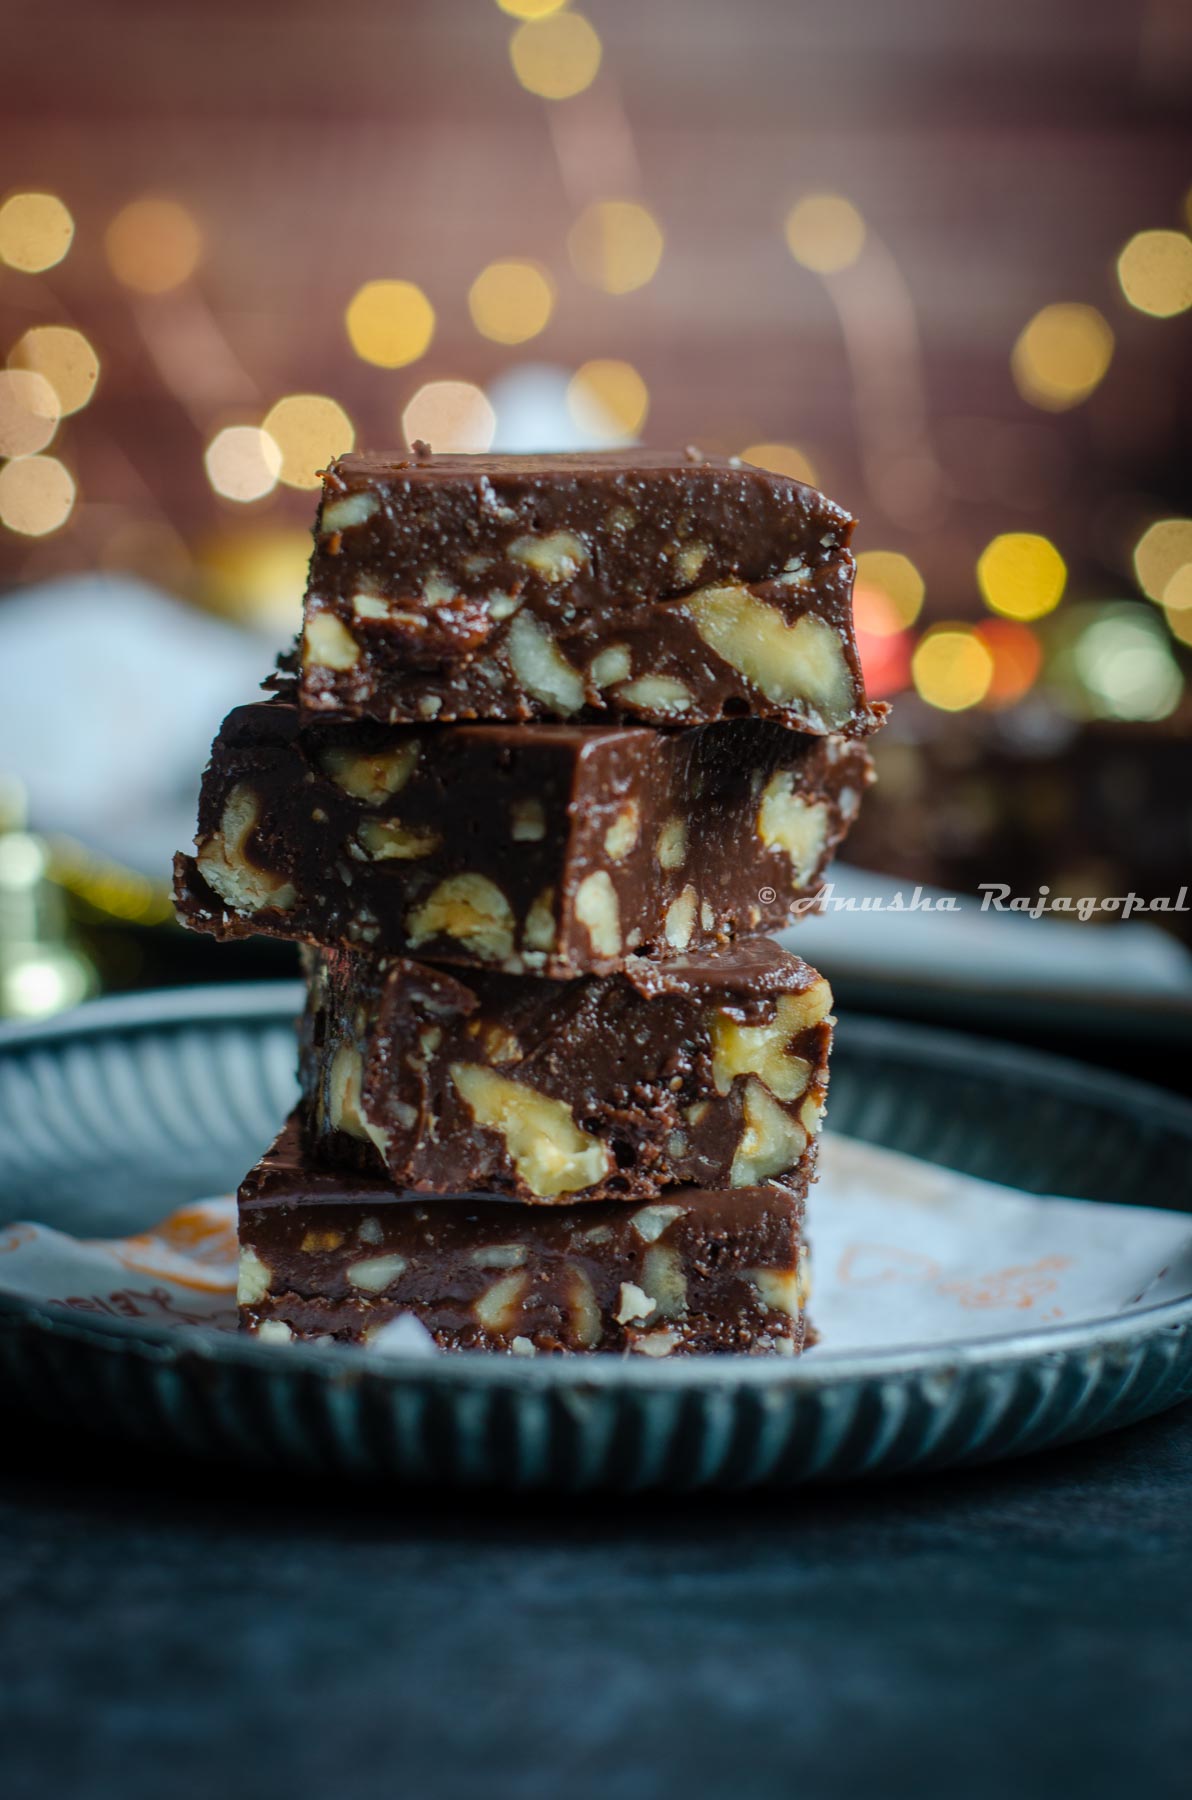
224,865
596,908
252,1279
470,908
652,1221
680,919
370,606
523,1346
342,514
372,778
501,605
621,518
345,1099
610,666
314,1241
811,1114
370,1231
809,1007
771,1143
546,1146
782,1290
539,933
274,1331
499,1256
664,1280
786,662
556,557
622,834
691,560
795,824
498,1307
655,1343
656,693
671,848
633,1304
389,840
328,644
762,1050
375,1273
541,667
584,1309
527,821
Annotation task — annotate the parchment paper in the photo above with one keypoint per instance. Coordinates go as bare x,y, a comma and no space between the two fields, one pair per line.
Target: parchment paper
904,1252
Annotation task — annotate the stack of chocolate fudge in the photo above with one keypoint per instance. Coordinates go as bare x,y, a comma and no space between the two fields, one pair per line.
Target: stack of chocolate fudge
562,739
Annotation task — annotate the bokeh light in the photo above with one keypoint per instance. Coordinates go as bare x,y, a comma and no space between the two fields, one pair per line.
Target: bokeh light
36,495
390,323
36,231
1179,620
952,667
450,416
1160,553
616,245
556,54
1021,575
308,430
66,360
511,301
888,593
153,245
825,233
243,463
608,400
1017,659
1124,662
1155,270
29,412
782,459
1061,355
1177,595
257,577
530,9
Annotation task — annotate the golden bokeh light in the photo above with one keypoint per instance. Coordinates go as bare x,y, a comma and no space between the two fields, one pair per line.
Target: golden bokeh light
36,495
1155,270
825,233
153,245
66,360
530,9
608,400
308,430
257,577
511,301
892,580
1177,595
952,668
242,463
1017,659
616,245
1160,554
29,412
36,231
450,416
1179,620
390,323
1061,355
555,54
782,459
1021,575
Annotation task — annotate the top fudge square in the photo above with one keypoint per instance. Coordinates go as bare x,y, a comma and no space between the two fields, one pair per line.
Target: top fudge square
625,587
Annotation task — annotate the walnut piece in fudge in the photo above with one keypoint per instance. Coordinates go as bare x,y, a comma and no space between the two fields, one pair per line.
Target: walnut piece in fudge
555,848
338,1255
710,1071
623,586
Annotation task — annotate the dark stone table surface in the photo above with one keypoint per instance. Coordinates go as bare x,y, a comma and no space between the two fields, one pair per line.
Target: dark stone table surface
170,1631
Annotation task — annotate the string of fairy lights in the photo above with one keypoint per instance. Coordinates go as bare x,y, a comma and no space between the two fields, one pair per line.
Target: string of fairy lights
1100,658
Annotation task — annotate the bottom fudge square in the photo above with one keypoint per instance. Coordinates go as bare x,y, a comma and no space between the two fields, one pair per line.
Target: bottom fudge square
339,1256
709,1071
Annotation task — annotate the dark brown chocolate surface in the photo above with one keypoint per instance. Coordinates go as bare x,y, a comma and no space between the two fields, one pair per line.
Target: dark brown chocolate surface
709,1071
626,586
339,1256
556,848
